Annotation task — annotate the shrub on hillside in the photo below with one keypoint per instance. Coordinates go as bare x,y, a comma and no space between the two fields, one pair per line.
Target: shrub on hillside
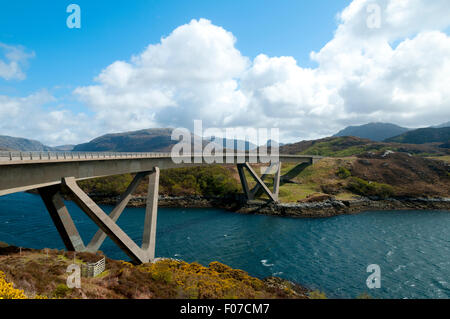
7,290
343,173
207,181
365,188
111,185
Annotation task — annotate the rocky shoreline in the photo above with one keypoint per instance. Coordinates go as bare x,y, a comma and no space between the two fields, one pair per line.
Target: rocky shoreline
324,208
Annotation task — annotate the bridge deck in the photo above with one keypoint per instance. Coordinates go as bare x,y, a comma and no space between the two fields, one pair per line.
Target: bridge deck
21,171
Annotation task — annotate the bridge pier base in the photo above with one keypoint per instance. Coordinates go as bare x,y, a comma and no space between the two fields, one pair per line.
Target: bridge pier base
260,185
107,224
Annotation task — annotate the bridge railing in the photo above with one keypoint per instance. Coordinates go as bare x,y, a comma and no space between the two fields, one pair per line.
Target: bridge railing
30,156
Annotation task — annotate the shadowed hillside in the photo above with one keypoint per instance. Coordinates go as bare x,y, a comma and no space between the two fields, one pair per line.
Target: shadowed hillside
423,135
373,131
151,140
9,143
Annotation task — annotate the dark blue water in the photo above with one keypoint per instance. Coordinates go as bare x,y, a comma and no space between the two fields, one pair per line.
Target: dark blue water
412,248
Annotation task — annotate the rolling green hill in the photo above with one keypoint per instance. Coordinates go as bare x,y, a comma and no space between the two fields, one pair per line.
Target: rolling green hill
350,146
423,135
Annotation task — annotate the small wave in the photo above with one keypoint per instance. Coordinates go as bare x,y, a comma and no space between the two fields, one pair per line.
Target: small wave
265,264
390,253
277,273
400,267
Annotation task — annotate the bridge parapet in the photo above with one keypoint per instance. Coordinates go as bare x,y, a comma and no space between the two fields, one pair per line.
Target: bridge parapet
11,156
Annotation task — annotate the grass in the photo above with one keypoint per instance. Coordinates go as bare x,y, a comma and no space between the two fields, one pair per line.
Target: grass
290,193
335,149
445,158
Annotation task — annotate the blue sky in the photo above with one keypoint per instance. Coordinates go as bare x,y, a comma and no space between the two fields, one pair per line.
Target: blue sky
60,60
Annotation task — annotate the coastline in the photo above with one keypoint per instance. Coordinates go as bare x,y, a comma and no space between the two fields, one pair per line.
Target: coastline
319,209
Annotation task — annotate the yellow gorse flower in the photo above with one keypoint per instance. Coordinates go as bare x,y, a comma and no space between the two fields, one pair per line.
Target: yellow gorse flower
7,290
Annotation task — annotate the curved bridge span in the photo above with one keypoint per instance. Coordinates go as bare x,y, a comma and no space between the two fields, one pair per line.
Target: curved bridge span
49,172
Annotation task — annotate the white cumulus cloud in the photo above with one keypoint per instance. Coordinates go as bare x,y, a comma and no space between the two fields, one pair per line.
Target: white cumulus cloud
14,59
35,116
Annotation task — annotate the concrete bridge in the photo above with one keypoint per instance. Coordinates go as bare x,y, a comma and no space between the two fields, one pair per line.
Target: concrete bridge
49,172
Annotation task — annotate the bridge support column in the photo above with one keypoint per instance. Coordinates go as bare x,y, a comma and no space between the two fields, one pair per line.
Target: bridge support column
104,222
260,185
100,236
151,212
107,224
61,218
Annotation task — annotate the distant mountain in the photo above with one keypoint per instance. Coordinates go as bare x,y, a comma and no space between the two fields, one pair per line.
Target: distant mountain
373,131
423,135
63,148
239,145
271,143
442,125
150,140
22,144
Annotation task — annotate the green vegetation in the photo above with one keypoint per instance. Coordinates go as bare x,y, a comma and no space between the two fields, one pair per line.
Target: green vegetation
365,188
352,146
423,135
111,185
205,180
442,158
316,294
341,147
343,173
61,291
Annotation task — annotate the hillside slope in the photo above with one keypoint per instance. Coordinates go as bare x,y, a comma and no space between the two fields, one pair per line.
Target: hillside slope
423,135
22,144
151,140
43,274
350,146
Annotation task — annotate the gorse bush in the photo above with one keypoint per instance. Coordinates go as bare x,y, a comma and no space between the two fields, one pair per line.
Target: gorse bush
343,173
196,281
365,188
7,290
316,294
